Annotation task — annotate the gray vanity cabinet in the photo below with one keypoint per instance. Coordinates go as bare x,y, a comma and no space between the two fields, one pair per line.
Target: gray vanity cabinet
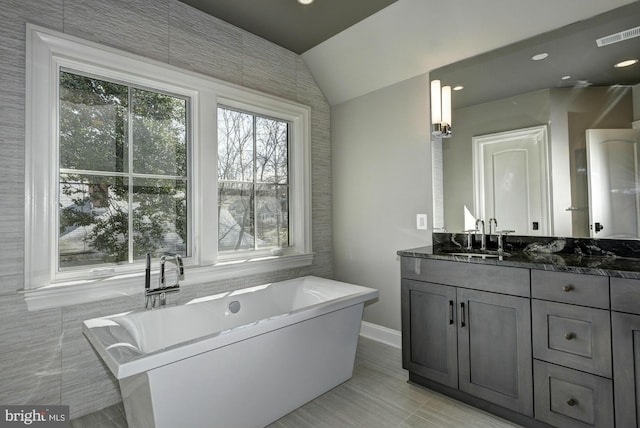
494,349
473,340
539,347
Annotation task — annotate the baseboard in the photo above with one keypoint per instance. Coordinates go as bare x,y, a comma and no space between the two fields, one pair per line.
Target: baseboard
381,334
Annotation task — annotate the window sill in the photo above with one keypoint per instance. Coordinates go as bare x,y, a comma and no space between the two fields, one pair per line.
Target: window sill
86,291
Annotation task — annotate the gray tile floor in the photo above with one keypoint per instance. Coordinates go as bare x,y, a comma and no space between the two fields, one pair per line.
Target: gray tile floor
377,395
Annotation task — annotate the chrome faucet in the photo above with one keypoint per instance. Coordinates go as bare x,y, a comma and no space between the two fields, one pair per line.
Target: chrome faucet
493,221
160,293
483,242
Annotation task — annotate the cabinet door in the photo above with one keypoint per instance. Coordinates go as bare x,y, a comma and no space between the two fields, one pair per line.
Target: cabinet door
626,368
429,345
494,346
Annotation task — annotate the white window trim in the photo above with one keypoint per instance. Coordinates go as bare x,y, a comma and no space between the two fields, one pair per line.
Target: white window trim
47,51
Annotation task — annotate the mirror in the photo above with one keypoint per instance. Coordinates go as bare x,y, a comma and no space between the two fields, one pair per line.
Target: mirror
574,89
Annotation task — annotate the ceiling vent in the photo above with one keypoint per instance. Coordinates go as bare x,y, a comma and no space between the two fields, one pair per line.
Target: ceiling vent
618,37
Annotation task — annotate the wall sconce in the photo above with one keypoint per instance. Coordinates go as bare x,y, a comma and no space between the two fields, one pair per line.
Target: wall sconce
440,109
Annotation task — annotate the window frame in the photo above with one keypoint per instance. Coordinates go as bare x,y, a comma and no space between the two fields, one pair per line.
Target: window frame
47,52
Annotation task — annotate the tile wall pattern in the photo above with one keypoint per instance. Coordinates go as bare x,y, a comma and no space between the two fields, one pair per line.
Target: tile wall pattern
44,358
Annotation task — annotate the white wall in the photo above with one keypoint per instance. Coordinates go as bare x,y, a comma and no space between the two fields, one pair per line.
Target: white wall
381,179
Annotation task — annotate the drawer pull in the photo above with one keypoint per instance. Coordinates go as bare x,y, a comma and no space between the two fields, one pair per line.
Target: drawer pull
572,402
569,336
568,288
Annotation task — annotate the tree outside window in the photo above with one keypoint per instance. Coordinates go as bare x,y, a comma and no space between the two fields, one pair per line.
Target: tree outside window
253,181
123,172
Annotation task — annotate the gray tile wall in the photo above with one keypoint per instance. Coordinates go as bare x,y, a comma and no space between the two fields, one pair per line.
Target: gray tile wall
44,358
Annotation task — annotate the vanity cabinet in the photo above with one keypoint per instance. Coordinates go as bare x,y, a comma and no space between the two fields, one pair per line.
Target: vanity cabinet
459,332
542,348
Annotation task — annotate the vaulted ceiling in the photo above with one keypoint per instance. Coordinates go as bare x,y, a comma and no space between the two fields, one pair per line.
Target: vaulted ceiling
354,47
295,26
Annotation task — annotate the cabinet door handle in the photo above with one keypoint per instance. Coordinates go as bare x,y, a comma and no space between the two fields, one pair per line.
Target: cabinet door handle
569,336
572,402
450,312
462,315
567,288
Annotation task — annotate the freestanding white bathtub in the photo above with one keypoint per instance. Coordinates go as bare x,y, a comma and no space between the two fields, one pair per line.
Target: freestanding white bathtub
237,359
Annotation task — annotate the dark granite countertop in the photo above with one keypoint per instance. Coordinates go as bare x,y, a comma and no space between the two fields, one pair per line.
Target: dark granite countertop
605,265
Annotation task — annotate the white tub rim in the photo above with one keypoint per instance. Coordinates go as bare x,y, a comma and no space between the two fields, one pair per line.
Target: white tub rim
135,364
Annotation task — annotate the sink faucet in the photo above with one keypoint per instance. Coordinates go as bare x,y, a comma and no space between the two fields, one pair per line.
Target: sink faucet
493,221
163,289
483,242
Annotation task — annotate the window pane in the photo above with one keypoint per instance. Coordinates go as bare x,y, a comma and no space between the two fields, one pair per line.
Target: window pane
159,217
93,124
235,216
159,133
272,216
94,220
235,145
271,151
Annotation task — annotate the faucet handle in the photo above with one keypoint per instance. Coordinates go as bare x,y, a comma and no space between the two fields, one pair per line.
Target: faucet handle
505,232
179,266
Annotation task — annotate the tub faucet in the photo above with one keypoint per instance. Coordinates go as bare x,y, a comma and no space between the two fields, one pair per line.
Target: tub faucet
483,242
160,293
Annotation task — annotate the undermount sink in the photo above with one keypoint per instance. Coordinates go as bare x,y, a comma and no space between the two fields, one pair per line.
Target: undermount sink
478,255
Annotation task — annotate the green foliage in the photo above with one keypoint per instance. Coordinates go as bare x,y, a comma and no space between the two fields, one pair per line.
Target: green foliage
95,119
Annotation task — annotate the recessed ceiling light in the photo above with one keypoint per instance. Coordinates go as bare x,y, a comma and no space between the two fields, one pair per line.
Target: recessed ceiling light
458,88
540,56
567,77
626,63
305,1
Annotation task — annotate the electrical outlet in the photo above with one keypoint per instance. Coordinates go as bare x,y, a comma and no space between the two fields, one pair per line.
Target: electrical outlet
421,221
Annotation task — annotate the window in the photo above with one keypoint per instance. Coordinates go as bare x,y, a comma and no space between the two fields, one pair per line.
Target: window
253,181
123,172
120,160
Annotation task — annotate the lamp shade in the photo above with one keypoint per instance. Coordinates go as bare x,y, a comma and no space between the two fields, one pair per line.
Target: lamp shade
436,103
446,105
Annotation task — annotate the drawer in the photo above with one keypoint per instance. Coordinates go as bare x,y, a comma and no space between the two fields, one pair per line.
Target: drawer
575,288
572,336
498,279
625,295
568,398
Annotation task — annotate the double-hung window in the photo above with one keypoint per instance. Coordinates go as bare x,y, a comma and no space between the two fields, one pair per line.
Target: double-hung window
123,172
253,182
127,156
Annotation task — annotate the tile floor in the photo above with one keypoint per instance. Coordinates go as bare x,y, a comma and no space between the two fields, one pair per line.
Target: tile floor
377,395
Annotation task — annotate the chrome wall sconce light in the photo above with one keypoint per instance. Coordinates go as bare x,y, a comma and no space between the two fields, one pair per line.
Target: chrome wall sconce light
440,110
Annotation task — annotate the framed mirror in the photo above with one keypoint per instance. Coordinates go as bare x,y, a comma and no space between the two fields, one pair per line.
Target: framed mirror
565,84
